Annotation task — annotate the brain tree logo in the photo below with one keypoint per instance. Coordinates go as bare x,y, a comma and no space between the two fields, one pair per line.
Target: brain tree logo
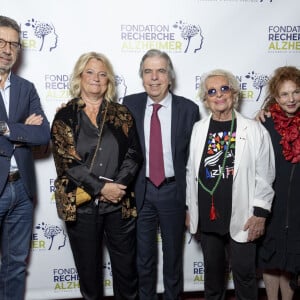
190,33
259,81
54,234
45,32
121,87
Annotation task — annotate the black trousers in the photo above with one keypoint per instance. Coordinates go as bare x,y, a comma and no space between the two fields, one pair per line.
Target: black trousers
216,251
86,237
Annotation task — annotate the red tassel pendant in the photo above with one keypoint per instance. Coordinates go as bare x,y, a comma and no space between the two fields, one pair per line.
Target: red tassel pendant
213,214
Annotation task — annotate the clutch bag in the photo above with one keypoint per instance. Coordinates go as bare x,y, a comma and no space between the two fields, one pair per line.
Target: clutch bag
82,196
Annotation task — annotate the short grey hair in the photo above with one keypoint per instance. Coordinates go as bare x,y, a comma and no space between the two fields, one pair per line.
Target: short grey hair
8,22
232,81
164,55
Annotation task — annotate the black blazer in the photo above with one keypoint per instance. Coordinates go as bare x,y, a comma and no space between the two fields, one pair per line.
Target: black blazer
184,114
24,101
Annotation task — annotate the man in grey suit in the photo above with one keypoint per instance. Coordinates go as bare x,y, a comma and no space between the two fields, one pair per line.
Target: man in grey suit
22,124
161,204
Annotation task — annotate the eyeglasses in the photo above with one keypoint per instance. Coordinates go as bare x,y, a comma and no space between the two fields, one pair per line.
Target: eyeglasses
224,89
13,45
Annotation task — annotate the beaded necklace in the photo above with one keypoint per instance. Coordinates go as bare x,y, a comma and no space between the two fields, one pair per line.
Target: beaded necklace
213,213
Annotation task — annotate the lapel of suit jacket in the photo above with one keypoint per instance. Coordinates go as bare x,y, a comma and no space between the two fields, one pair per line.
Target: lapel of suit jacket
174,122
3,113
14,97
139,120
200,142
241,129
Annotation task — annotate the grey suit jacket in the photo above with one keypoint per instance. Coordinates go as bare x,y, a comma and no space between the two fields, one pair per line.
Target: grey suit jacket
184,114
24,101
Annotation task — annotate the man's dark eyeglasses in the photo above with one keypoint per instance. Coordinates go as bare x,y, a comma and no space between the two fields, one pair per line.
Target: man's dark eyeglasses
224,89
13,45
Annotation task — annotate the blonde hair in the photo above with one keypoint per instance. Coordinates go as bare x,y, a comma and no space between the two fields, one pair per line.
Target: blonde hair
75,90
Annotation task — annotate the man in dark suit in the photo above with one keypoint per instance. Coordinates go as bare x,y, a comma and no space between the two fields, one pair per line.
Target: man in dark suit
161,203
22,125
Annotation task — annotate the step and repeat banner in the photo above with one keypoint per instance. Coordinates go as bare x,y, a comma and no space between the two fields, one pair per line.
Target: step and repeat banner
250,38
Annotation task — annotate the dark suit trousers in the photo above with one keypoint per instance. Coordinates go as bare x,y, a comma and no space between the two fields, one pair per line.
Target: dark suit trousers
217,250
86,235
160,208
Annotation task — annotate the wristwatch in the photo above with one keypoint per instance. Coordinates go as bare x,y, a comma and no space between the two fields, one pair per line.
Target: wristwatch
3,127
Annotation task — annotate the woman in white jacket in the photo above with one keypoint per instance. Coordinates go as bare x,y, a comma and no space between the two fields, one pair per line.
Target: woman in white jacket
229,186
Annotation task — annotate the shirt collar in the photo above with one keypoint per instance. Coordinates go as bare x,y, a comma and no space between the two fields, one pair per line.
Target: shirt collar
166,102
7,82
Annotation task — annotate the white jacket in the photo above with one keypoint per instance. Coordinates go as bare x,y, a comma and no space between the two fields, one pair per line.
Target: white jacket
254,173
